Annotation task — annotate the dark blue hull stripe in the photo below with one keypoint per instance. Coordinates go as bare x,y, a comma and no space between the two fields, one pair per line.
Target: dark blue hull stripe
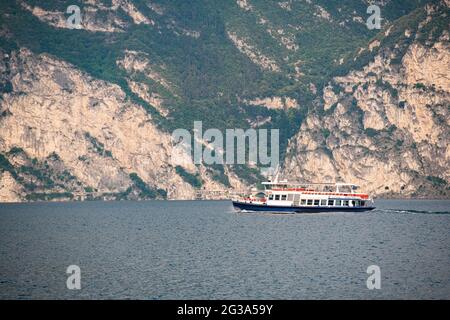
309,209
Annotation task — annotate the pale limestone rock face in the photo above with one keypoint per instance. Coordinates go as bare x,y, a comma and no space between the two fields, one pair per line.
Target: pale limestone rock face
322,13
134,61
274,102
191,33
180,157
97,134
286,5
144,92
10,190
138,62
417,119
260,121
245,5
53,18
388,31
407,33
290,103
329,97
373,110
357,19
89,21
131,10
428,66
298,71
286,39
95,17
252,53
52,114
385,99
374,44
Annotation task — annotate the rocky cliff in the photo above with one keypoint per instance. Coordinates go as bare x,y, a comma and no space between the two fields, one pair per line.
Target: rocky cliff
386,125
65,135
88,113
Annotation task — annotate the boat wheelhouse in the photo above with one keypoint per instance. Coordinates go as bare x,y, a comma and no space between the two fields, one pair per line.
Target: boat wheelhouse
281,196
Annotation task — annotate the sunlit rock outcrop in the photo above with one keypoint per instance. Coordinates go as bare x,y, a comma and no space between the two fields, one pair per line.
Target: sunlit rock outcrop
385,126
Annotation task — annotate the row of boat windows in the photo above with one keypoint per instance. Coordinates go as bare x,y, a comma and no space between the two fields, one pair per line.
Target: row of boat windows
317,202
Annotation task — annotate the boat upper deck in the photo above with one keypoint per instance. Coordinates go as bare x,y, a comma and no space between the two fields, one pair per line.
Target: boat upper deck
319,189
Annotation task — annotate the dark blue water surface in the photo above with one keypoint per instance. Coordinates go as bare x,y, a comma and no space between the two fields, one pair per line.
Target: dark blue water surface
204,250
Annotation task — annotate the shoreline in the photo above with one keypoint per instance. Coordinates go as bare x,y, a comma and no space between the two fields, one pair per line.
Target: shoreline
194,200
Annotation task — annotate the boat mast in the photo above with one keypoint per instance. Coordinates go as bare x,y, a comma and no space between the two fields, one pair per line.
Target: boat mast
276,174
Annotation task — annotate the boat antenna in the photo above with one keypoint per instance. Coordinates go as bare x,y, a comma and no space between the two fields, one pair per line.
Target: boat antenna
276,173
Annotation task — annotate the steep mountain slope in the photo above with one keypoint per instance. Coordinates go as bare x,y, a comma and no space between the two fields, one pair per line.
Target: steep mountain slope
59,140
90,111
386,125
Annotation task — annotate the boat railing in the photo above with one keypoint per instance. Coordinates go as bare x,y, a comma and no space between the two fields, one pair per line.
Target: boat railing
339,187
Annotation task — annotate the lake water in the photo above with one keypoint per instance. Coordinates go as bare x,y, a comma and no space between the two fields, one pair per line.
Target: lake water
204,250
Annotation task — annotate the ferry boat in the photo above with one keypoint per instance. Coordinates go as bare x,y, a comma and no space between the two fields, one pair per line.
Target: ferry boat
284,197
